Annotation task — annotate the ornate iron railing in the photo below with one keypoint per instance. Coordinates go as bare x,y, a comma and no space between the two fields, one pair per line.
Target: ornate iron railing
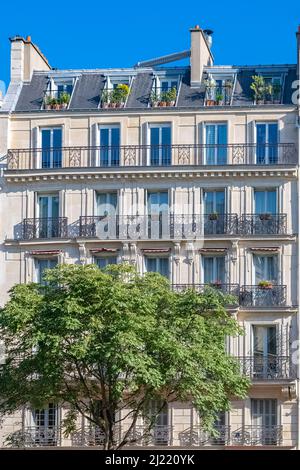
270,367
158,435
230,289
257,296
157,226
53,227
196,436
36,436
263,224
257,435
152,156
88,436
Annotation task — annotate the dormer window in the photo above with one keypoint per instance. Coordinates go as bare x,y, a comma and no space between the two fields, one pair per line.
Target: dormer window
115,92
164,91
218,90
58,93
266,89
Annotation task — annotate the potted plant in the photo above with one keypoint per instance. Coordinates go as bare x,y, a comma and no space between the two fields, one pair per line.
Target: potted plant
265,285
213,216
217,284
265,216
219,98
276,93
258,88
64,100
119,95
154,99
105,99
210,85
163,98
171,96
56,104
268,92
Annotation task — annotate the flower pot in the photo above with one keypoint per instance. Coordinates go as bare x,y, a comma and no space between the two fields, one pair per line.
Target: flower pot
210,103
64,105
57,106
172,103
105,105
213,216
48,106
265,216
259,102
155,104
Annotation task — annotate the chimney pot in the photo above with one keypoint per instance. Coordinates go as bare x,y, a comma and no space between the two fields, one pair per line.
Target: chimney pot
197,26
28,39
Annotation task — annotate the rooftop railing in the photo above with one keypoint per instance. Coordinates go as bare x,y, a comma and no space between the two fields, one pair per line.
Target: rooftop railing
153,156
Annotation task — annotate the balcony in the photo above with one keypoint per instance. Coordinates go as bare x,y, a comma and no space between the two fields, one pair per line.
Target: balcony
186,155
266,297
157,226
218,95
162,97
271,367
55,227
196,436
38,436
56,100
257,436
263,224
228,289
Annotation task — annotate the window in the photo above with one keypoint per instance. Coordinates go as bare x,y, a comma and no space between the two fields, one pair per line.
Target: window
214,202
216,144
265,364
265,201
167,84
158,202
158,265
104,261
44,425
107,203
158,215
158,412
160,144
41,266
265,268
51,147
61,86
48,214
214,269
263,421
266,143
109,145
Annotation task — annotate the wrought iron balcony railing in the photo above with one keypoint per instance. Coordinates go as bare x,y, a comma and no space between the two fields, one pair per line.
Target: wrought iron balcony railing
196,436
218,95
257,435
270,367
53,227
260,296
152,156
40,436
157,226
263,224
158,435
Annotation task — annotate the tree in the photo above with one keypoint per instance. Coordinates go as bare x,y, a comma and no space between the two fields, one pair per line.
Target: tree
106,342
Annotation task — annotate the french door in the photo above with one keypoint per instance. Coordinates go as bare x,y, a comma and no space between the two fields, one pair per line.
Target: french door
265,201
265,268
264,422
48,214
265,360
51,148
214,269
266,143
160,145
107,223
44,429
104,261
214,212
216,144
109,146
158,214
159,414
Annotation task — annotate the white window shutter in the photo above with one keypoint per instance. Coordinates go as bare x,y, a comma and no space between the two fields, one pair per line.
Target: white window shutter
94,155
35,155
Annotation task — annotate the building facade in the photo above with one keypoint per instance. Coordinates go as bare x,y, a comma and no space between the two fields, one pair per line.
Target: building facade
178,170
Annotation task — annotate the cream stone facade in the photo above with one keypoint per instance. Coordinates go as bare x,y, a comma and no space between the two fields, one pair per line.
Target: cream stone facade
203,189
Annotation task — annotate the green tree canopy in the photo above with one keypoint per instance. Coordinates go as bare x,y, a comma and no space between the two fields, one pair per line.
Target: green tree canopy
105,341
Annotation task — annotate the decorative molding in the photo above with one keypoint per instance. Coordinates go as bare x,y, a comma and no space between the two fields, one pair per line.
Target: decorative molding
190,252
82,253
133,253
176,252
289,392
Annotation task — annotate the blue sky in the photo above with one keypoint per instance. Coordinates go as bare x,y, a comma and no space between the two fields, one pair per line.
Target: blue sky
119,33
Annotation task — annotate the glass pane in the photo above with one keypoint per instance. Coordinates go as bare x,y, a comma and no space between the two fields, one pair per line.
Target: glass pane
46,144
271,202
208,202
166,145
151,265
261,135
222,144
273,143
271,262
220,268
154,142
271,340
57,151
259,266
55,207
43,206
163,266
105,261
115,143
259,202
104,149
220,202
210,141
208,270
106,203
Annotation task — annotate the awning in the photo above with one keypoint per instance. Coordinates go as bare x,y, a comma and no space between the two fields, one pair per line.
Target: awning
45,252
156,250
265,249
104,250
212,250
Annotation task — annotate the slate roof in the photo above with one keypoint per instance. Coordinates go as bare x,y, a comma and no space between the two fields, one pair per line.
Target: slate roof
89,85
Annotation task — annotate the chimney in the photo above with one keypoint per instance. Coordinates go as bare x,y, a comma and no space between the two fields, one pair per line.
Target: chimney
200,54
298,51
25,57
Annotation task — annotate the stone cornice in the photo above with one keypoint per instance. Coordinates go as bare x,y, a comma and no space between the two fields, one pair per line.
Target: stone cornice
132,173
